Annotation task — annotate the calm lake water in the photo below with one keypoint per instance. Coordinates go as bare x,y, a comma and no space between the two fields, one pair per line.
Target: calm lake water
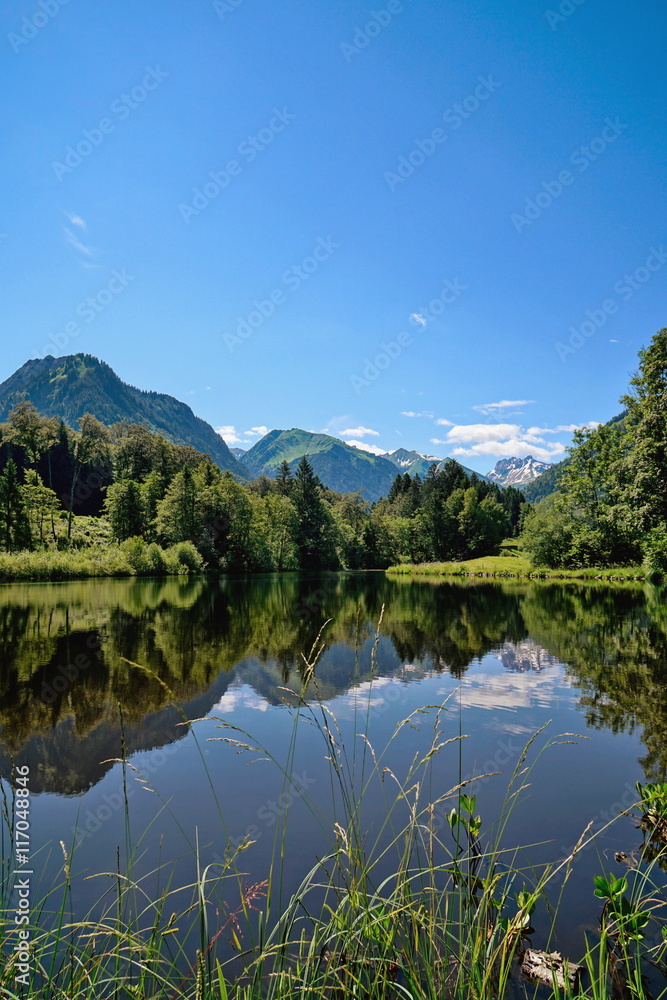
504,660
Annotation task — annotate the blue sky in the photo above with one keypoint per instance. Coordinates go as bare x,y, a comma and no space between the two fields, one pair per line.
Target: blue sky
334,215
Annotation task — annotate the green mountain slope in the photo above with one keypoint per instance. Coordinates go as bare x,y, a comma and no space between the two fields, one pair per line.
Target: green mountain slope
70,386
340,466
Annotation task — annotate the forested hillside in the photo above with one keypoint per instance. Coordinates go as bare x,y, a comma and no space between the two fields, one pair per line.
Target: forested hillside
64,490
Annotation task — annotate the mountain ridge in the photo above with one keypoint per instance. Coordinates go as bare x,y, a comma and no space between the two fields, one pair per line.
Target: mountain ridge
74,384
517,471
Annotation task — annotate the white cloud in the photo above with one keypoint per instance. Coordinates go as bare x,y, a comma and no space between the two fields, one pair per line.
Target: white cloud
411,413
229,435
505,440
478,433
513,447
441,422
372,448
504,404
418,318
359,432
257,431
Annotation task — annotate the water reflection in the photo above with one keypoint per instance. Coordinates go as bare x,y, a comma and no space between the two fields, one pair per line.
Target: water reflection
67,690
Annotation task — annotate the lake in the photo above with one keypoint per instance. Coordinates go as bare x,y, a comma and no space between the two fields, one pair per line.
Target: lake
502,659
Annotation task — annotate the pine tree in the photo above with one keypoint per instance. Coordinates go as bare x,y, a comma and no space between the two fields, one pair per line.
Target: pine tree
284,479
316,531
14,521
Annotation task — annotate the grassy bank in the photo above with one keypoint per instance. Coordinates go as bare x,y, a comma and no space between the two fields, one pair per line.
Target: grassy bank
133,558
513,563
450,920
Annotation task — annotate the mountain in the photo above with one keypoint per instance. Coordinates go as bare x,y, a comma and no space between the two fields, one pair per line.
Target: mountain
517,471
416,464
237,452
412,462
70,386
340,466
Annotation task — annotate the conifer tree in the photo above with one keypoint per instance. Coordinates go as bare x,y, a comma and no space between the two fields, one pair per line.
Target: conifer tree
14,522
284,479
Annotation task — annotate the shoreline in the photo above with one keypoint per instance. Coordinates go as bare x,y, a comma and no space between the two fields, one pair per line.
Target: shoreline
618,574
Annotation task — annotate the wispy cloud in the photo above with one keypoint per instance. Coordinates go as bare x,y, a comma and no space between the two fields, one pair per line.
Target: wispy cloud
489,409
411,413
76,220
359,432
441,422
418,318
76,243
564,428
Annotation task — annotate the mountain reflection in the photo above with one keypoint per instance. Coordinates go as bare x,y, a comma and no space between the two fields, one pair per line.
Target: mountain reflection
67,690
518,657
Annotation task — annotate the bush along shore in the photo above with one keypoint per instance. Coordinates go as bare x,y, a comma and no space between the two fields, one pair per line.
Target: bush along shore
431,904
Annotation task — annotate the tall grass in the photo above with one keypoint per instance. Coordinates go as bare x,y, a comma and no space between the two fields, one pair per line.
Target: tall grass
425,902
132,558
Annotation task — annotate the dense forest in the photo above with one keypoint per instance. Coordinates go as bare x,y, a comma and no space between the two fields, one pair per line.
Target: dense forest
610,507
67,490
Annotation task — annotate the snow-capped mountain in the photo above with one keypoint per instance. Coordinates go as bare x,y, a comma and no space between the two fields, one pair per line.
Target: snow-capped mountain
517,471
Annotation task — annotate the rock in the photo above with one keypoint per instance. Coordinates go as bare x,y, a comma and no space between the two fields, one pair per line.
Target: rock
544,966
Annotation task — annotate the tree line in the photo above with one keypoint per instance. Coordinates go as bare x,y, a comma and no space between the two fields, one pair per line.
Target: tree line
610,507
142,491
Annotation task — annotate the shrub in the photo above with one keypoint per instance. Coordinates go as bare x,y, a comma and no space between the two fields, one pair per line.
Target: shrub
654,551
183,558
